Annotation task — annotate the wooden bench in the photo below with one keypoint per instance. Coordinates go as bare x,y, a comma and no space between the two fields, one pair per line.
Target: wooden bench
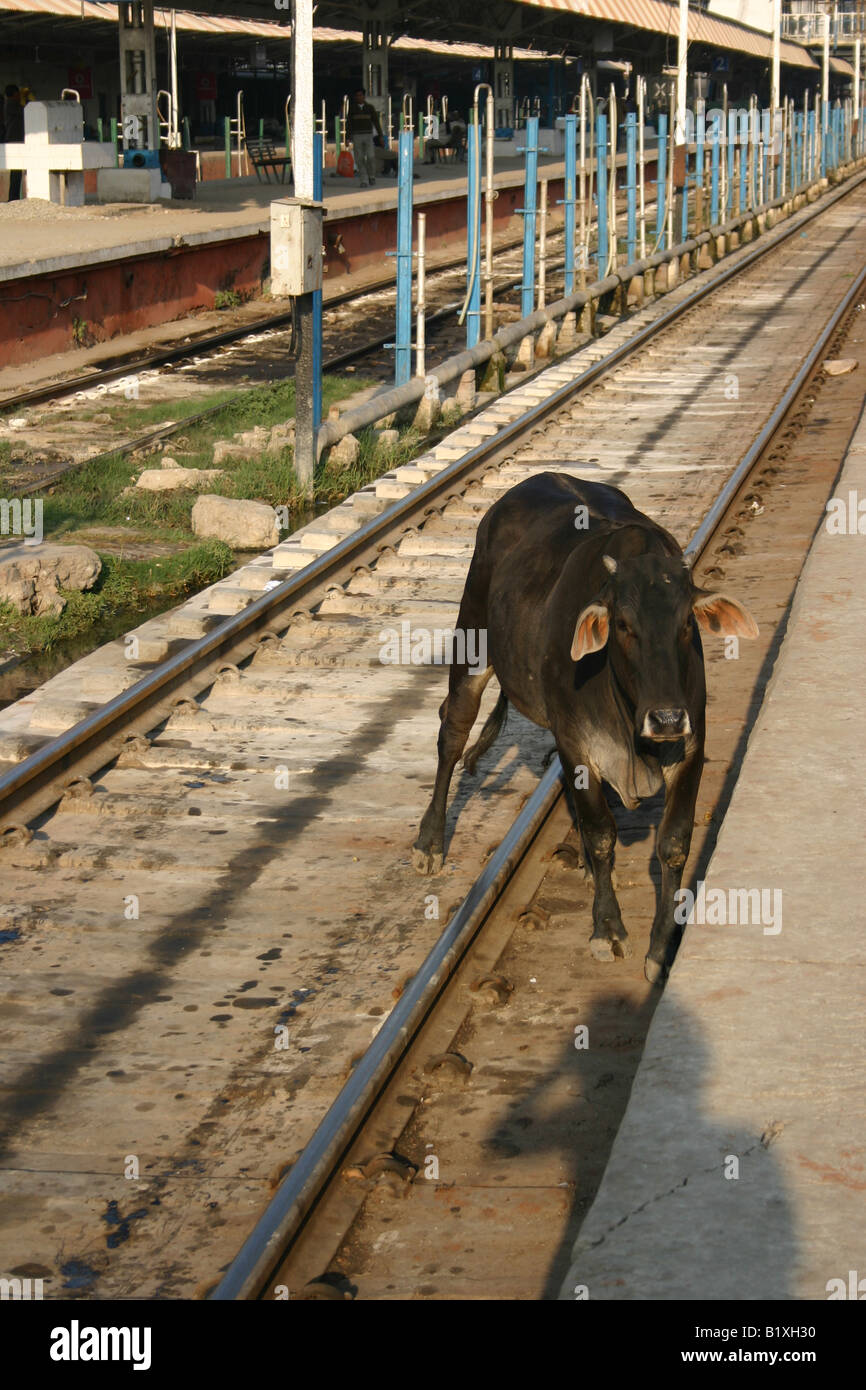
263,157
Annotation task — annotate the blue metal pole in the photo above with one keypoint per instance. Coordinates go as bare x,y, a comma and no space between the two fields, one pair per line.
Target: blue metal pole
473,235
403,345
568,200
527,292
744,170
661,180
317,298
684,222
715,160
631,186
699,166
825,121
601,184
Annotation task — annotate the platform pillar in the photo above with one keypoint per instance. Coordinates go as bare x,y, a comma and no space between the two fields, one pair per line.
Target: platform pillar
503,85
374,69
138,87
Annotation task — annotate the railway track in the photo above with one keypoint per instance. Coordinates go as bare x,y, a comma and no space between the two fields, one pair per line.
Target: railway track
70,431
196,1009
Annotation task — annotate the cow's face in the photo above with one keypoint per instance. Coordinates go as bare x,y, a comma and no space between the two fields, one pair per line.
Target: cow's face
645,616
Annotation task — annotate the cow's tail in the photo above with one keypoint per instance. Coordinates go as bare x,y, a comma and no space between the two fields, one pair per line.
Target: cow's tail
489,734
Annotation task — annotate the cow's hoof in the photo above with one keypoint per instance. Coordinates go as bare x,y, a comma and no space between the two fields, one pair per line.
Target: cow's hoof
622,947
653,971
427,861
600,948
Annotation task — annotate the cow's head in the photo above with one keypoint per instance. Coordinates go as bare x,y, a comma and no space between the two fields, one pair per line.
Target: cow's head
644,615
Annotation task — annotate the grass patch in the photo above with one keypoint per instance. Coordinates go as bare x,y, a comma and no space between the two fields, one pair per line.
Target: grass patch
124,588
94,496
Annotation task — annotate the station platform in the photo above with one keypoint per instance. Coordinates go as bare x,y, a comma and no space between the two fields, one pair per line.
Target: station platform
73,275
738,1171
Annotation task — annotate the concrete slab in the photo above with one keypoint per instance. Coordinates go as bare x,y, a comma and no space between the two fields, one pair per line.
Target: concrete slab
739,1169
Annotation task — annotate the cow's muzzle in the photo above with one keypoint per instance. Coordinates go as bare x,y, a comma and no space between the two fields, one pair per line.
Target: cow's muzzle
664,724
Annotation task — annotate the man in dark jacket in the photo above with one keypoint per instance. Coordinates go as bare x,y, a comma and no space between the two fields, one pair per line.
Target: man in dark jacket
13,134
362,124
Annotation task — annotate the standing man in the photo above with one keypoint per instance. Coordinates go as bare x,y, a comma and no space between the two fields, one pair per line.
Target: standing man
362,125
13,134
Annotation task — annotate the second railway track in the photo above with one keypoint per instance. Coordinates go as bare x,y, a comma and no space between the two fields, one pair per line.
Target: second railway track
204,936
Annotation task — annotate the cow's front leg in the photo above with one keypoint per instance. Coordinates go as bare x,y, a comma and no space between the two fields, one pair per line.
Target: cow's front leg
598,830
672,847
458,714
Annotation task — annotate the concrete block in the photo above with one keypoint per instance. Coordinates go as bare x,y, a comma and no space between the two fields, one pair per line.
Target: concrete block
131,186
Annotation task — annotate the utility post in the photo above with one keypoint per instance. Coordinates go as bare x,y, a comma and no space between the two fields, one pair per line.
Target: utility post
681,149
303,167
775,102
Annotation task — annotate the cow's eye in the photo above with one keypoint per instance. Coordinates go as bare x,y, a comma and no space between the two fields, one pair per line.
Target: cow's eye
623,627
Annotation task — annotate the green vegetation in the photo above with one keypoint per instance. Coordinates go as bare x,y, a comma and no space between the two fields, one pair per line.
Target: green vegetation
98,498
125,588
226,299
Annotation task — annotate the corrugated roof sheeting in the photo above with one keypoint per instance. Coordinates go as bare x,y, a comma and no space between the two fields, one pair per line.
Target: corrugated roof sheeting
662,18
657,16
253,29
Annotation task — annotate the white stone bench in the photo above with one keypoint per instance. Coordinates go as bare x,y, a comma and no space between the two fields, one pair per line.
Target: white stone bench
54,153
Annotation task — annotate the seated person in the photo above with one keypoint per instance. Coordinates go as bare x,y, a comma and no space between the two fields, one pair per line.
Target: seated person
385,160
451,137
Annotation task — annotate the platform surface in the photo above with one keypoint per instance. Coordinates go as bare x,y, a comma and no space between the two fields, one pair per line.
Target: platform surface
756,1051
37,237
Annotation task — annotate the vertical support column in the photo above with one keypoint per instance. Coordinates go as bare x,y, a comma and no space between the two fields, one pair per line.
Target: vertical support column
631,186
744,166
527,291
374,70
473,233
139,118
661,180
601,183
568,200
304,164
700,133
318,161
503,85
403,347
715,153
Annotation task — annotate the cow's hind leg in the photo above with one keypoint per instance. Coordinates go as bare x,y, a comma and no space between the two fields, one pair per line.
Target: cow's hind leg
458,714
598,831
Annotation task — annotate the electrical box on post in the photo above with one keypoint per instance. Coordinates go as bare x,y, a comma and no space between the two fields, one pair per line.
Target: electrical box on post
296,246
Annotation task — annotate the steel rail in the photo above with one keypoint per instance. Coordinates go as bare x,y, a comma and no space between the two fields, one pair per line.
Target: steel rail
34,773
115,370
266,1246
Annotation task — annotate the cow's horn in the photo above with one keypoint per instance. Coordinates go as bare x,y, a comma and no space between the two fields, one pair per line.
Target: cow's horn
609,563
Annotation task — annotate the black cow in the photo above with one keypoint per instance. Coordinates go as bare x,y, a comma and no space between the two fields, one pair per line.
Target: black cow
588,609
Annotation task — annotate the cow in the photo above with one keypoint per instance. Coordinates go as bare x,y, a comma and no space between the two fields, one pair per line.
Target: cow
591,621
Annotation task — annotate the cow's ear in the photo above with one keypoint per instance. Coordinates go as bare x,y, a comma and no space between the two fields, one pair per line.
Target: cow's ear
590,634
723,615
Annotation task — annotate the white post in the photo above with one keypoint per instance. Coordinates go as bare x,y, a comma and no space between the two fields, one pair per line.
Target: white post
303,129
641,162
420,305
777,27
542,247
175,113
682,49
825,63
302,98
